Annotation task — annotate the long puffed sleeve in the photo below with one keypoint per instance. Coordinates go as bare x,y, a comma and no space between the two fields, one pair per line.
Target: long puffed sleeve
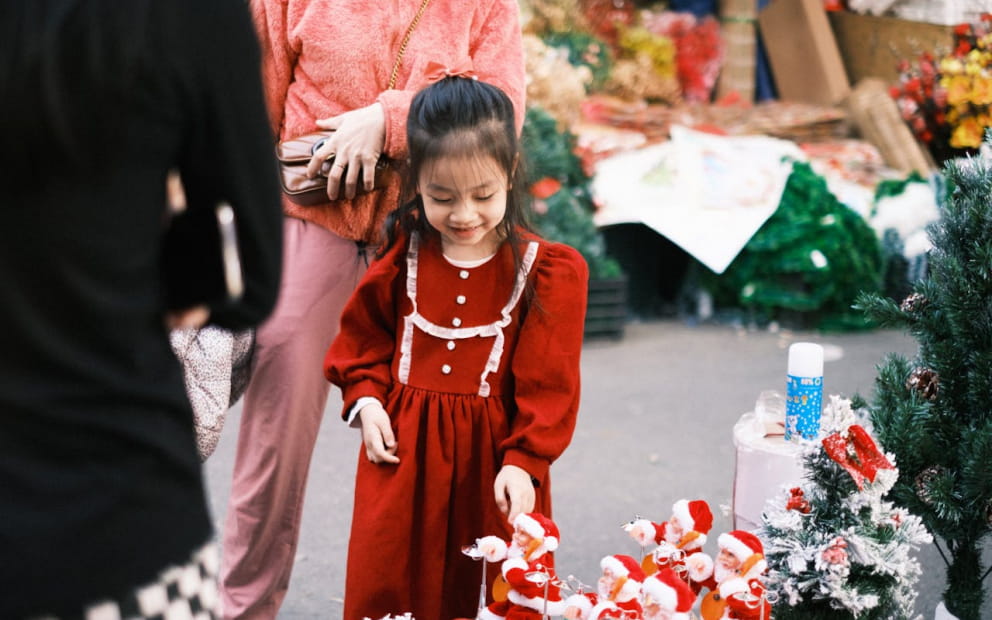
359,359
227,155
545,363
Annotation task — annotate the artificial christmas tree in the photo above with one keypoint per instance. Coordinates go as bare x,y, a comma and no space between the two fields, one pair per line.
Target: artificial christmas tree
835,549
935,412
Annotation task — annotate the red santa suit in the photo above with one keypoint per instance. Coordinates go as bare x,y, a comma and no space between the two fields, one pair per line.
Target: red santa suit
529,573
745,600
624,599
476,372
736,595
694,518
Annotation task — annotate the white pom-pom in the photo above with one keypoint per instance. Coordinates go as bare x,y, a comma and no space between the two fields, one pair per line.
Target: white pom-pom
700,566
493,548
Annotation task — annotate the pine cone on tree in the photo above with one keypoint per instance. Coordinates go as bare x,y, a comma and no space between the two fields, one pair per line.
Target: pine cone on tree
923,481
924,381
913,303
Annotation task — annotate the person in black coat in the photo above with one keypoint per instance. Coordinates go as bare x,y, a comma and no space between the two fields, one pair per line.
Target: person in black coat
100,485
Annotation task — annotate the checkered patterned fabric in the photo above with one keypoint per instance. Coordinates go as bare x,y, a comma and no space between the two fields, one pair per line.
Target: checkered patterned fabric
187,592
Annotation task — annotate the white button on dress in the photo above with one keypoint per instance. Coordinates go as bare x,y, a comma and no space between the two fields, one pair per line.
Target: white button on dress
463,274
451,345
456,321
460,299
446,369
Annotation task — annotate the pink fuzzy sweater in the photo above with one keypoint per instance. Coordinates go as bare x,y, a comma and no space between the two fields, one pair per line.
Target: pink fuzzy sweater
325,57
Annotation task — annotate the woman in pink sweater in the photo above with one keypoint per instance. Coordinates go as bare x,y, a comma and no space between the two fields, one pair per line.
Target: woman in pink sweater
328,64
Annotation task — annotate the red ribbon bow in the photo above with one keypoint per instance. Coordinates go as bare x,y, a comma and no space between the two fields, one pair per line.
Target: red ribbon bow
436,71
857,454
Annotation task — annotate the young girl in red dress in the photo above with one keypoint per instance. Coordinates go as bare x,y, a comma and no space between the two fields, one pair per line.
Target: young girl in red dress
459,357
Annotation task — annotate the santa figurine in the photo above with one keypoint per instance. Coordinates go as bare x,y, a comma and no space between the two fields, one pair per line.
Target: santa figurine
666,596
734,578
682,535
527,588
617,592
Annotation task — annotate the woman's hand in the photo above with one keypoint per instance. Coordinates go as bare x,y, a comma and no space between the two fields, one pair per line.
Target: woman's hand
514,491
195,317
377,434
356,144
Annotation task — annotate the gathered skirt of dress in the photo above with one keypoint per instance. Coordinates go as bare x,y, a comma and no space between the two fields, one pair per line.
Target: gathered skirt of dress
412,519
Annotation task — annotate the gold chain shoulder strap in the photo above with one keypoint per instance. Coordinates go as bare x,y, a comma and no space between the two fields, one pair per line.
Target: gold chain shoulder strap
406,41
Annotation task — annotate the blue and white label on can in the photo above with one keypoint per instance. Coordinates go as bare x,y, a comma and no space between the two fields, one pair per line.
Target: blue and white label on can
803,402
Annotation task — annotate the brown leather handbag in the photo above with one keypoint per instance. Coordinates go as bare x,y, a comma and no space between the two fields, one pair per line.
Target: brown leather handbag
295,154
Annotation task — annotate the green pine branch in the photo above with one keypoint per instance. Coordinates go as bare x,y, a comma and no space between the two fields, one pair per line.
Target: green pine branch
941,430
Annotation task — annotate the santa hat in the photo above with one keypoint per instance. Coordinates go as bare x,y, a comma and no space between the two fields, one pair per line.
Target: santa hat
668,590
693,516
628,568
540,528
746,547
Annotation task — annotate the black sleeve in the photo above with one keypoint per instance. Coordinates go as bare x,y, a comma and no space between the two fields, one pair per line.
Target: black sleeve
230,150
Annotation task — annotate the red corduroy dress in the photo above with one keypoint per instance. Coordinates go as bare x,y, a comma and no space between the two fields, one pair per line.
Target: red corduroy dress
475,374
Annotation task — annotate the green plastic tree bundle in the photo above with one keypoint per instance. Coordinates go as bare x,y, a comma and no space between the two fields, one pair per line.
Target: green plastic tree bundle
561,198
836,549
935,412
813,256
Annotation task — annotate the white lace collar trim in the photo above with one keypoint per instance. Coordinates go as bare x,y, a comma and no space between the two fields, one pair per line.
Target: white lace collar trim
468,264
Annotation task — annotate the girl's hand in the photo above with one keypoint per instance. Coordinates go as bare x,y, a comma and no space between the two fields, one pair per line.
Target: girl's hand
356,144
377,434
514,491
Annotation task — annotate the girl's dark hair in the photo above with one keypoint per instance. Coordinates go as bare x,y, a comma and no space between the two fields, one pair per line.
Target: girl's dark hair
66,69
457,117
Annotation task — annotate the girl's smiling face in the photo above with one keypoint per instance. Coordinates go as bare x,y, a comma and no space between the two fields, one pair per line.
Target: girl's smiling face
465,201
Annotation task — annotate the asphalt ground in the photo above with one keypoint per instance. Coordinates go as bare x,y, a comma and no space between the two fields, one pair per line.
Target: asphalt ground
655,425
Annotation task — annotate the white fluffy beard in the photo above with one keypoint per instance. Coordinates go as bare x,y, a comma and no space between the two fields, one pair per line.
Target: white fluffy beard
603,589
721,573
656,612
670,536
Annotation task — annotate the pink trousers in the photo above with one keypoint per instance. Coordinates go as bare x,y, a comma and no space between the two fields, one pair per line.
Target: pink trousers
282,411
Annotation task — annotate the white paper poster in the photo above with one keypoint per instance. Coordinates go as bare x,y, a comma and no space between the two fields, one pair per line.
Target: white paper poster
708,194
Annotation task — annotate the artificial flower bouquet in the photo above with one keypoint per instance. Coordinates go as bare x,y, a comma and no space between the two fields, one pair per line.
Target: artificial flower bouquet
946,96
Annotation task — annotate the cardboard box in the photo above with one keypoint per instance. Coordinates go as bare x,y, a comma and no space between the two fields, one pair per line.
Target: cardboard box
873,46
802,51
877,118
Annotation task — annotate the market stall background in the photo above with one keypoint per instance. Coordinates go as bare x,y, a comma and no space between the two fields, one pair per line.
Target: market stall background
669,104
